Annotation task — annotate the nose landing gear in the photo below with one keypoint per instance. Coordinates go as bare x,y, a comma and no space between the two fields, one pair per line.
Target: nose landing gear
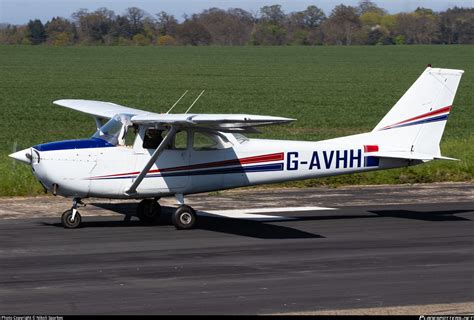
71,218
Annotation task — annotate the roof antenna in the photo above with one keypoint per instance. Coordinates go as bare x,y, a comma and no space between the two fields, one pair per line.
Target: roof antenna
177,101
199,96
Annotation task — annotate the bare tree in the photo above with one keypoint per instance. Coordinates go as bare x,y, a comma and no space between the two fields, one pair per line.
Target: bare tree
193,33
273,14
135,16
457,26
366,6
94,27
231,27
167,24
313,17
419,27
342,25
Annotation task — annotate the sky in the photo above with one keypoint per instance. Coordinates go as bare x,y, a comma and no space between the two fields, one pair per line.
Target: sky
21,11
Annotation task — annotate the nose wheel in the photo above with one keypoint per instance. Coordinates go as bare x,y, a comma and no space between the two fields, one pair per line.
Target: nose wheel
71,218
70,222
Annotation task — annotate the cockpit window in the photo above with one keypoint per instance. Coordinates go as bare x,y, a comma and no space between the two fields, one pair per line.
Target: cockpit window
240,138
114,131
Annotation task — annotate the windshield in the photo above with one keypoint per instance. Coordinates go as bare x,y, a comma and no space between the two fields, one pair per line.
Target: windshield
240,138
114,131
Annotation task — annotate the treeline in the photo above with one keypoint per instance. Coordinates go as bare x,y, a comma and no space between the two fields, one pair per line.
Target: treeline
366,24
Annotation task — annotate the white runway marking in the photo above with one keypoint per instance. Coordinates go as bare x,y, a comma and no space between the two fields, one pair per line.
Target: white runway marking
253,214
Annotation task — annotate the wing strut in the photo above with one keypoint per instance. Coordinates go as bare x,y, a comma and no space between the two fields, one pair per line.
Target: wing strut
133,189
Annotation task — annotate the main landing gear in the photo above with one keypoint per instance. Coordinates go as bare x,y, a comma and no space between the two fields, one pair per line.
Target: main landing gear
149,211
184,218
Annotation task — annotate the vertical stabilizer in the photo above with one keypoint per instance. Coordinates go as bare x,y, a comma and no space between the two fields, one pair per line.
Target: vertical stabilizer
418,119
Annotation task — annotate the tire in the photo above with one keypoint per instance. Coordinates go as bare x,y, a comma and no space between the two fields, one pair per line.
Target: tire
68,223
149,211
184,218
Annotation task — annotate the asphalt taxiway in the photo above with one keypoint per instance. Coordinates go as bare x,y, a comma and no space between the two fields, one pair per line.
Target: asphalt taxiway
377,247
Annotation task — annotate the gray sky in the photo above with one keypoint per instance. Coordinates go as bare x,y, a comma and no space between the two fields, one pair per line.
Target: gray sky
20,11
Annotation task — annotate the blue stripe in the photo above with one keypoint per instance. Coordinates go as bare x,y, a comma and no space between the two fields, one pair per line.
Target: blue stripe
371,162
438,118
256,168
73,144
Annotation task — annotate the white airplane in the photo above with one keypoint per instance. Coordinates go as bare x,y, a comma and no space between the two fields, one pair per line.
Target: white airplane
144,155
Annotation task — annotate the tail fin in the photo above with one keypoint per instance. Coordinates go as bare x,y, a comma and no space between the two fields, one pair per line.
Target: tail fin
416,122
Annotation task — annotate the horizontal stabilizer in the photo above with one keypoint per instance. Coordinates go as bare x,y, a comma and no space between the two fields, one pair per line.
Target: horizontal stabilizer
402,155
409,155
446,158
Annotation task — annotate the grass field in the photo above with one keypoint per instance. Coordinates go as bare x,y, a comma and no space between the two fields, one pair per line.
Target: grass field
332,91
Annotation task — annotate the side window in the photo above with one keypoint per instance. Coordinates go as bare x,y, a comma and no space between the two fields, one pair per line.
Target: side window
203,141
152,139
181,140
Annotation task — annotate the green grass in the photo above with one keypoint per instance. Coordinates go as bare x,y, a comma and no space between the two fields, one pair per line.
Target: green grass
332,91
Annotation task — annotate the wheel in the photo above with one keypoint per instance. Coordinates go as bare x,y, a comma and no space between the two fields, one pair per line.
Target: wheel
184,218
67,221
149,211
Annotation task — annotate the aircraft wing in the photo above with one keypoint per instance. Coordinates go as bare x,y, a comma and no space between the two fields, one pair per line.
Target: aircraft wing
220,122
98,108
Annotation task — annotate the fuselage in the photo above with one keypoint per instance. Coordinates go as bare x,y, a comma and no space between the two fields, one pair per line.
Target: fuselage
93,168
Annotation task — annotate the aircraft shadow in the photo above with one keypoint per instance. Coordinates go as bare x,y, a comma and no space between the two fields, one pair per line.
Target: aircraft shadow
246,228
446,215
266,229
123,208
252,228
102,224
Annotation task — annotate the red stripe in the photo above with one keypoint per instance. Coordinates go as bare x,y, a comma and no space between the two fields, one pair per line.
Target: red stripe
371,148
432,113
248,160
